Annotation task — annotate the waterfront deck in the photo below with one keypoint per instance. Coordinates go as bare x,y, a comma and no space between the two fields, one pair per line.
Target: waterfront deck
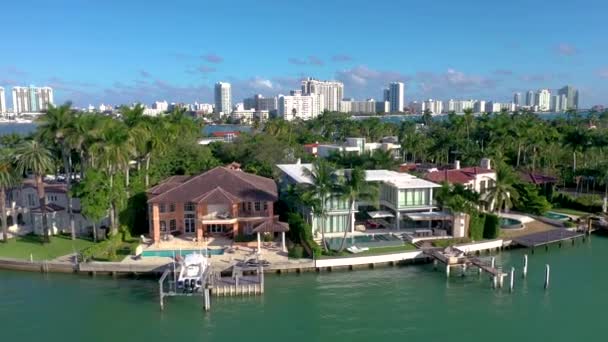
546,238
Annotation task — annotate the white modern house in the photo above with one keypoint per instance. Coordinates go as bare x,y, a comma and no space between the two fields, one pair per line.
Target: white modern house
400,194
360,146
24,215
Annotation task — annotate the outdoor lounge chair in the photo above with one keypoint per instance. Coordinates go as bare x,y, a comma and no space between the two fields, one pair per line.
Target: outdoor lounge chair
145,240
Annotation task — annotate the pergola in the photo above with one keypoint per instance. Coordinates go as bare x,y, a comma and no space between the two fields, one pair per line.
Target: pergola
272,225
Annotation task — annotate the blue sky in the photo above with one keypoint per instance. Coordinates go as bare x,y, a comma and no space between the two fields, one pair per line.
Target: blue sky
123,51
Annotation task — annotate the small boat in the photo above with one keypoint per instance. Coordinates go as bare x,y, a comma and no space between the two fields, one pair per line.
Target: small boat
191,272
355,249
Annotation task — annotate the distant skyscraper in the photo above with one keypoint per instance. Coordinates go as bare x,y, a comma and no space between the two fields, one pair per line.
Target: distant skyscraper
543,100
571,94
517,99
332,91
396,94
530,98
2,101
223,98
386,94
32,99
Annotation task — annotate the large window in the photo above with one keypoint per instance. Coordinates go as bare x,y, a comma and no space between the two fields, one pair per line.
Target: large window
162,208
172,225
163,226
257,206
189,206
172,207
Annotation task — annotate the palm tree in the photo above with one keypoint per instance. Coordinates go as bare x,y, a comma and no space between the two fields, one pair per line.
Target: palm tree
354,188
55,127
320,191
8,179
32,156
427,117
502,193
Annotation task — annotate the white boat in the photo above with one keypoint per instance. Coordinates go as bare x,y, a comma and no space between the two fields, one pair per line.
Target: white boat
20,120
355,249
191,272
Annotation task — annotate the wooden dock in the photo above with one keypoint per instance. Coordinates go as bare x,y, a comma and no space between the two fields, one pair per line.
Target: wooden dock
456,258
546,238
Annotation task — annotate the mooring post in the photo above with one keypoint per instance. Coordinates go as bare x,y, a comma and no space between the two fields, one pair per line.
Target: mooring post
494,281
162,304
464,269
207,299
480,270
493,262
447,270
502,277
525,269
511,280
547,273
435,262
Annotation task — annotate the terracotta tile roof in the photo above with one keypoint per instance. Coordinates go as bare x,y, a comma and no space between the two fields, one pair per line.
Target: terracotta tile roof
456,176
217,195
215,183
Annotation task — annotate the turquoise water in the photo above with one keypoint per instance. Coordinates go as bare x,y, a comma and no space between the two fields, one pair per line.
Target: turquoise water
413,303
377,240
556,216
170,253
509,223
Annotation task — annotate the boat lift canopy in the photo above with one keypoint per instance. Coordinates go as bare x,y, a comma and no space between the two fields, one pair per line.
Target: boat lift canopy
433,216
380,214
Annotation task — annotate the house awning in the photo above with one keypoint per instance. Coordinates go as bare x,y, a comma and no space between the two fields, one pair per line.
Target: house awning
433,216
380,214
272,225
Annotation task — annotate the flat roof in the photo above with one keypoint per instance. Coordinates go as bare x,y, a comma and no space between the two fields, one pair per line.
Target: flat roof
398,179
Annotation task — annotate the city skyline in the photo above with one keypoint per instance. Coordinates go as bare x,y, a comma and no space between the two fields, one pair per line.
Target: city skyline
182,62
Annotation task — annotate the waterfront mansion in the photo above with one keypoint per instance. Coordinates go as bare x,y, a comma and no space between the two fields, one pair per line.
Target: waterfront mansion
400,195
222,201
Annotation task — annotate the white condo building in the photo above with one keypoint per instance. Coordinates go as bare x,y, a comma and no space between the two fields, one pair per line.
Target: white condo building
332,92
2,101
571,95
161,106
396,96
298,106
435,107
543,100
530,99
32,99
359,107
517,99
459,106
223,98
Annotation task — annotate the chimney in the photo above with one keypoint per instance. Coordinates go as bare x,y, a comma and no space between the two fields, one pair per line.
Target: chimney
457,164
485,163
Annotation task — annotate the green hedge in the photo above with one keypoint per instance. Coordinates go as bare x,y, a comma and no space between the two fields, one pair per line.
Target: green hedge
300,232
476,226
296,252
586,203
491,228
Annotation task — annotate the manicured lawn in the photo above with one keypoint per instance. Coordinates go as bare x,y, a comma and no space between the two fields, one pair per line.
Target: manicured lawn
374,251
449,242
21,247
569,211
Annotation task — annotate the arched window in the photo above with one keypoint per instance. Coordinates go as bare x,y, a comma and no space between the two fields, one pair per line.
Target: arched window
20,219
9,220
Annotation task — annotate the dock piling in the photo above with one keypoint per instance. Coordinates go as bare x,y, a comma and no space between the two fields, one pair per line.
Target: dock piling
511,279
447,270
493,262
547,274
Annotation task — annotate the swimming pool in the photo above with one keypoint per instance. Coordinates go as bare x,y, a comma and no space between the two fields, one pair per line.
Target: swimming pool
169,253
556,216
510,223
371,240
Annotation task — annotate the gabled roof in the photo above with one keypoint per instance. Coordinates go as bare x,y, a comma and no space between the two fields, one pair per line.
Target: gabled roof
218,183
537,178
271,225
457,176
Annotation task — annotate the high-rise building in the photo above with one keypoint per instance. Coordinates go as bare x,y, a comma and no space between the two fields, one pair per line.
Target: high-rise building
543,100
517,99
435,107
556,103
396,96
479,106
2,101
530,98
383,107
223,98
298,106
359,107
571,94
161,106
32,99
332,92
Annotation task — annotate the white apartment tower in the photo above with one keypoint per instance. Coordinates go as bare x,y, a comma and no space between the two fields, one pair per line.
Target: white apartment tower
223,98
571,95
396,96
517,99
2,101
298,106
543,100
530,99
32,99
332,92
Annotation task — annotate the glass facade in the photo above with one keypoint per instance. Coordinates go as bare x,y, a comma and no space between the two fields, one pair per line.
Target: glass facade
333,224
405,198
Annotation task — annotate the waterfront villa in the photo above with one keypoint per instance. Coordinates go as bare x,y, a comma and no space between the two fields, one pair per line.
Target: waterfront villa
224,201
476,178
403,200
356,146
24,215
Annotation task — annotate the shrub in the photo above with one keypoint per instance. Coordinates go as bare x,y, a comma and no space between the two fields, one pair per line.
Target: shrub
491,228
296,252
530,200
569,224
476,226
587,203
